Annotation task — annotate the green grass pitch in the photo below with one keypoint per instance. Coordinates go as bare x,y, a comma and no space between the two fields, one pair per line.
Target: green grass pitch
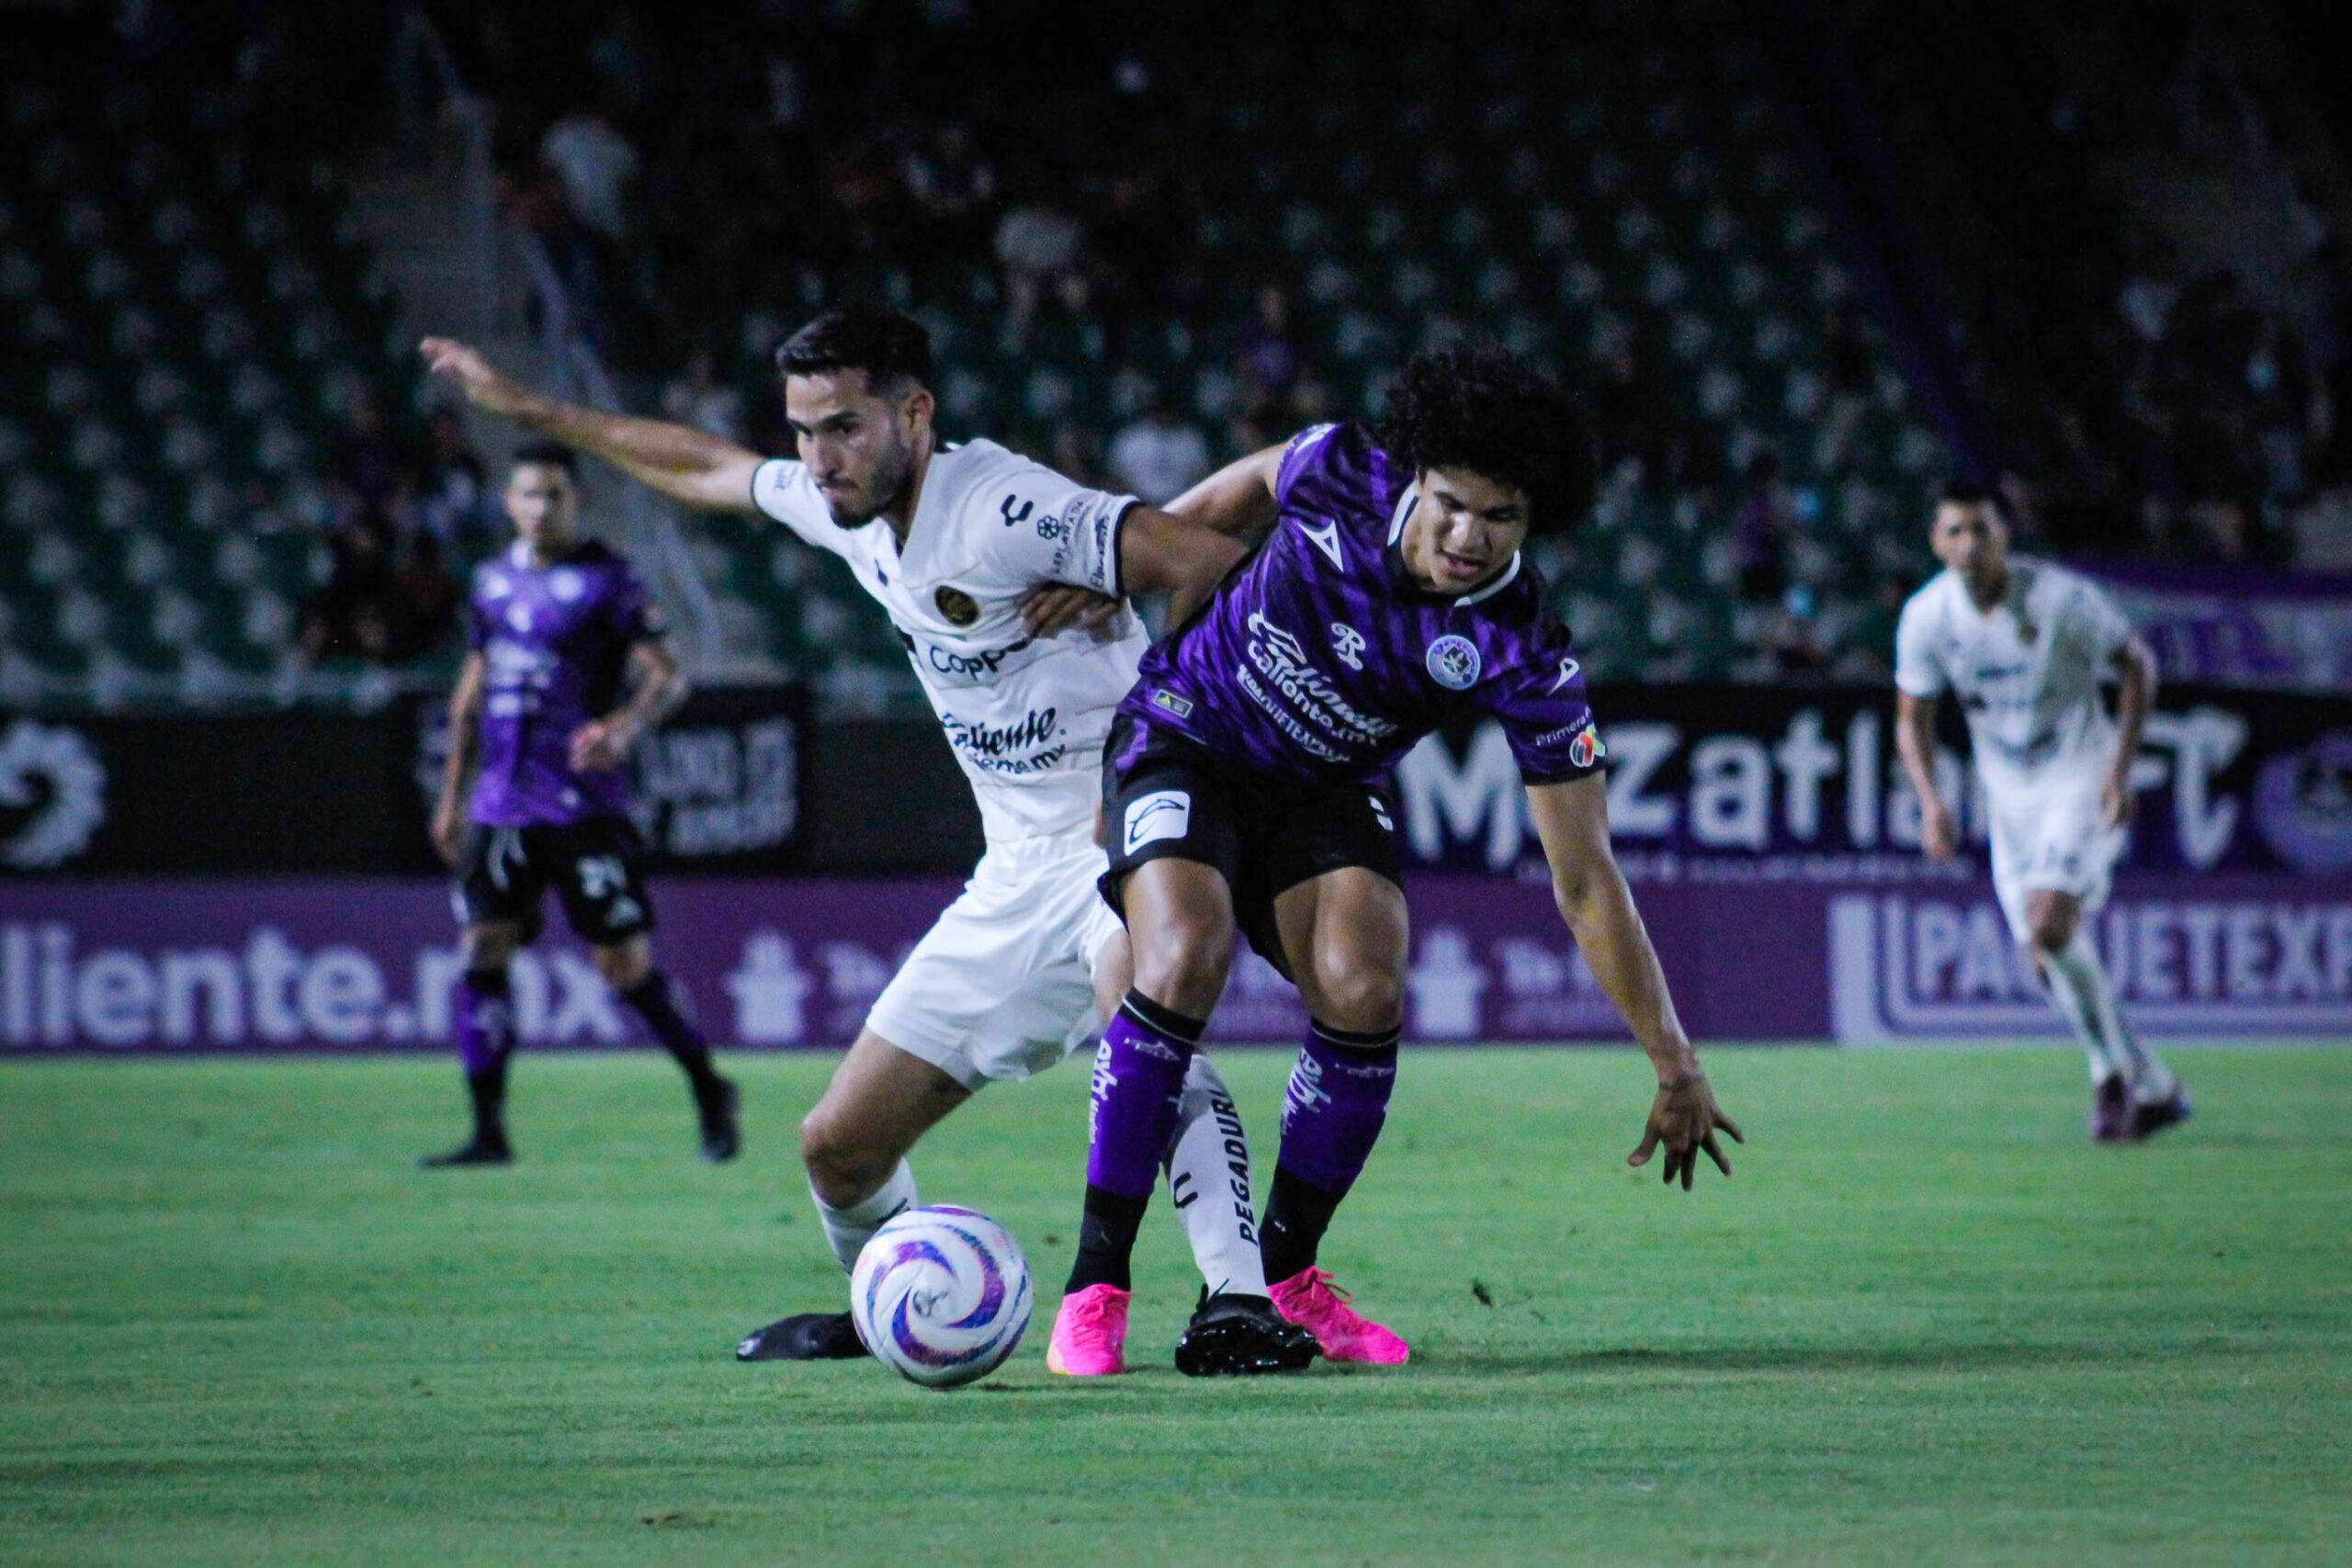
1925,1323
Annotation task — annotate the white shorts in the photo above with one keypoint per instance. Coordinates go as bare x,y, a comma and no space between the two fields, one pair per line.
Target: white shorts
1003,984
2050,836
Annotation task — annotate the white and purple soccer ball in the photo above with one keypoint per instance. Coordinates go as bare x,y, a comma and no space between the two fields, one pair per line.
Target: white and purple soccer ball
941,1295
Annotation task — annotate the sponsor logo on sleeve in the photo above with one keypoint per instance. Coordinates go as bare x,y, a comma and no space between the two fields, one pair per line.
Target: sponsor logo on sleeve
1169,702
1010,515
1454,663
1162,813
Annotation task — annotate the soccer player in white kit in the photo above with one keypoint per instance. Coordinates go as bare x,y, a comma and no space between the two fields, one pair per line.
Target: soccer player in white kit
2024,645
954,543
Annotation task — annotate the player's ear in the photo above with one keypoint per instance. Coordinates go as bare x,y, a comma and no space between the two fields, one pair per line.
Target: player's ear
917,408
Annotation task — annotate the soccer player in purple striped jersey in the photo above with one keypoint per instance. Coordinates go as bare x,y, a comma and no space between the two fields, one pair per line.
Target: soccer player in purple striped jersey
1245,786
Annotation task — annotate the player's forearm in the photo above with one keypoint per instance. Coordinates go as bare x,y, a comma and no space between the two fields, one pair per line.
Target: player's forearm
676,460
1238,500
655,698
465,761
1599,912
1914,743
2135,696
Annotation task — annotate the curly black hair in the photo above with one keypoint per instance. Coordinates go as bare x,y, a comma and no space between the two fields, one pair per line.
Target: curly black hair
889,345
1487,410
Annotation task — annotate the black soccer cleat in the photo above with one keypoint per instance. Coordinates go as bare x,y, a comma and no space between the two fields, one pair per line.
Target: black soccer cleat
2111,1111
722,1133
2152,1116
1235,1336
480,1149
805,1337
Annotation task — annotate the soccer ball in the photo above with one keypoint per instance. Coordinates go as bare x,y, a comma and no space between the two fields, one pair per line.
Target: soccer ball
941,1295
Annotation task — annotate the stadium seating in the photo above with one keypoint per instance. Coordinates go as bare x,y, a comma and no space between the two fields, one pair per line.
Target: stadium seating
205,315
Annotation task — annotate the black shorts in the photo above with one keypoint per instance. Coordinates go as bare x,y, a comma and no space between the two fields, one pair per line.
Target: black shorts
595,866
1165,796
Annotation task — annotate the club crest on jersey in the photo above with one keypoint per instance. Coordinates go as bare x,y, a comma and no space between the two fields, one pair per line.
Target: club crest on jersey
958,606
1454,663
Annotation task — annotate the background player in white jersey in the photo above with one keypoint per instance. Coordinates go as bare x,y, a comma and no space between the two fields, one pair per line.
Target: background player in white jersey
2024,645
952,541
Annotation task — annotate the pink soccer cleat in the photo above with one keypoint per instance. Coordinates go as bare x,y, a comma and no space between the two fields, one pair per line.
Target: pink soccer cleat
1309,1298
1089,1334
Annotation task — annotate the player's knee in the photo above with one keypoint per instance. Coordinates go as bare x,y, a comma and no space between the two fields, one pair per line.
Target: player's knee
488,947
1184,967
623,965
1360,997
843,1168
2053,924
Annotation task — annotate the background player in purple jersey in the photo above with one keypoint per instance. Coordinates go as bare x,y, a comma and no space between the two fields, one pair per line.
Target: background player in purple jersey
1245,785
566,669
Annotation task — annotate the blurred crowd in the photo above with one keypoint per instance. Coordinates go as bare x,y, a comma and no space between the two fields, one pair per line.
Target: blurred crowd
398,514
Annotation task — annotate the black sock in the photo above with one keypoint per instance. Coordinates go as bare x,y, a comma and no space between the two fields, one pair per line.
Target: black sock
657,1000
1298,1213
1106,1236
488,1090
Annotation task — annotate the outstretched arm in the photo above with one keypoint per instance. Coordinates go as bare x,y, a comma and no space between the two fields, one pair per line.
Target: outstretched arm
688,466
1572,821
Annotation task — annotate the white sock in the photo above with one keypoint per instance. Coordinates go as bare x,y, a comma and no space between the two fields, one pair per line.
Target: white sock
2079,985
1208,1177
848,1230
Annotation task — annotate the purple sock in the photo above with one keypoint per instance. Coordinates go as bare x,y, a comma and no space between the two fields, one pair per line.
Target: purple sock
1139,1074
485,1022
1336,1101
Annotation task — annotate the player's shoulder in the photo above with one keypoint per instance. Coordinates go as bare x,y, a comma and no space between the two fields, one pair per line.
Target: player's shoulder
2048,582
1334,469
1932,600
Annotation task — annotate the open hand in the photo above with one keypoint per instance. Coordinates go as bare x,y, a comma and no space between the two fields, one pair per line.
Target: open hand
1685,1118
482,385
1057,607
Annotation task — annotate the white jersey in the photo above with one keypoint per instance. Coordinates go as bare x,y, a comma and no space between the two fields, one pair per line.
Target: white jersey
1027,715
2027,672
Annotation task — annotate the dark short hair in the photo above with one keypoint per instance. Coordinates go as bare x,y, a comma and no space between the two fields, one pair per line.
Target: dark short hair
549,454
1968,492
1490,411
889,345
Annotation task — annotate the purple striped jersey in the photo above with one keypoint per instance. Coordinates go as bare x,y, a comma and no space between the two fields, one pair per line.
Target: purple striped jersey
555,642
1321,658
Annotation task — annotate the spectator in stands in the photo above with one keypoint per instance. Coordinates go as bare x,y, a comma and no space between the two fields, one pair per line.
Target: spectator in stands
595,162
1761,529
698,398
1630,419
1849,371
425,600
368,465
952,185
352,617
1158,457
864,197
453,501
1265,352
1040,247
1076,453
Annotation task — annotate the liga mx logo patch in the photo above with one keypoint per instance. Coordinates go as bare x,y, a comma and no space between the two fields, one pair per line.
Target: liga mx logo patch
958,606
1454,663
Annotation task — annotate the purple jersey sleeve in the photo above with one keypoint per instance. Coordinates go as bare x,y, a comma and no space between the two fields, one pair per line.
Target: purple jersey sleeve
1541,705
1317,466
481,622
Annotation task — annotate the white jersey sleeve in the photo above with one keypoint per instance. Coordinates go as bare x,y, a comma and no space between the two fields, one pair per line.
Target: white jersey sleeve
1918,667
782,488
1046,528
